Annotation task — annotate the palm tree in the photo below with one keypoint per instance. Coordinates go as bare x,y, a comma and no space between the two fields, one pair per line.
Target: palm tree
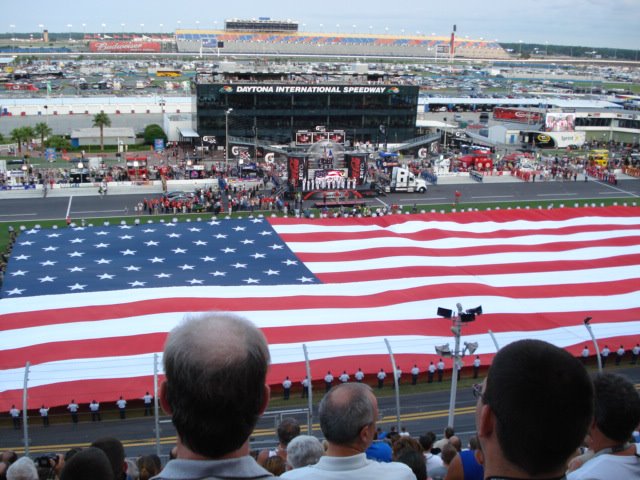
101,120
20,135
42,130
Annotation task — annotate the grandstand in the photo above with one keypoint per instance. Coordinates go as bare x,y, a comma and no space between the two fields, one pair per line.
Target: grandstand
332,44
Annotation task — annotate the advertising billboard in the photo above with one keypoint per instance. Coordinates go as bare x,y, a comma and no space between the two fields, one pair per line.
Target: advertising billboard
125,47
559,139
356,166
296,170
560,122
516,115
303,138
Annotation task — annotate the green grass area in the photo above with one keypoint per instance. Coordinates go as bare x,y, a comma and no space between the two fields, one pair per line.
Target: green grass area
439,208
634,87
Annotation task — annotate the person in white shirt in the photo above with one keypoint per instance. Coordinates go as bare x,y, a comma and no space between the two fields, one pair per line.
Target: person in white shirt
122,404
635,352
359,375
381,376
344,377
398,377
15,417
286,388
585,354
328,381
305,387
415,371
148,400
73,408
95,411
617,413
431,372
604,355
619,355
44,414
440,370
348,421
476,366
433,461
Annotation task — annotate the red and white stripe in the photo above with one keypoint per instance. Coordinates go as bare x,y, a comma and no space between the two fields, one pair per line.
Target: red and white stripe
537,274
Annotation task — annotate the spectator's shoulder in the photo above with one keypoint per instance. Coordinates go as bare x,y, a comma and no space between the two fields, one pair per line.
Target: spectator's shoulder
398,471
302,472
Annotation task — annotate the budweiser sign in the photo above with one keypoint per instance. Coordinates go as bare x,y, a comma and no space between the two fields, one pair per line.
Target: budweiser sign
133,47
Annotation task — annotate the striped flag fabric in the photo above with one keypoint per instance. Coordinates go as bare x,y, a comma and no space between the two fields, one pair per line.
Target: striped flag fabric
89,307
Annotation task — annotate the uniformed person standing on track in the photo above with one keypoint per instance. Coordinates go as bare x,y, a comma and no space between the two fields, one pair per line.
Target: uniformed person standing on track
381,376
415,371
122,404
95,411
328,381
286,388
431,372
73,408
440,367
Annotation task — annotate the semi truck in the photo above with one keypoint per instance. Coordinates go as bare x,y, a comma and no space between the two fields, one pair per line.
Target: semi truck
403,180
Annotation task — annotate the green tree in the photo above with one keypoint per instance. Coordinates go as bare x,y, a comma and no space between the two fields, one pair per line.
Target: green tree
58,142
20,135
42,130
101,120
153,131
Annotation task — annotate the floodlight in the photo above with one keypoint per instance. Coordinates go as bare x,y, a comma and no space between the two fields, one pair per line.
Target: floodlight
467,317
445,312
443,350
587,320
475,311
471,347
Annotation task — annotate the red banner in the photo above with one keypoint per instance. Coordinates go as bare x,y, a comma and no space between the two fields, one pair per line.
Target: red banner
516,115
128,47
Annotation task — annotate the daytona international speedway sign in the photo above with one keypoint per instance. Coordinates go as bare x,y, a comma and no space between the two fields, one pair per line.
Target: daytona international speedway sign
340,89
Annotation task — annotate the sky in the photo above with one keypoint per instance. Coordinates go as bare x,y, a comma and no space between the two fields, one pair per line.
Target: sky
590,23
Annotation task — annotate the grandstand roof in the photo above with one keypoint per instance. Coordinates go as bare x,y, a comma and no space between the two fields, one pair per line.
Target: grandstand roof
531,102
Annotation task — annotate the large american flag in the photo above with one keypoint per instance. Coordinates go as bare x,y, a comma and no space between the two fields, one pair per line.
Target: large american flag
89,307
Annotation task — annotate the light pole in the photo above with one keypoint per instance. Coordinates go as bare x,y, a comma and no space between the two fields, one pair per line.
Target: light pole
444,350
595,342
226,138
80,170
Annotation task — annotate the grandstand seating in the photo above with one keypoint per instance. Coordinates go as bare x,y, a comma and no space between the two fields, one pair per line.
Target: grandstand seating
332,44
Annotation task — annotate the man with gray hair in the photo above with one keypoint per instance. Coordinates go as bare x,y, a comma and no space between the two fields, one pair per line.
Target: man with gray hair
304,450
22,469
348,416
215,390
